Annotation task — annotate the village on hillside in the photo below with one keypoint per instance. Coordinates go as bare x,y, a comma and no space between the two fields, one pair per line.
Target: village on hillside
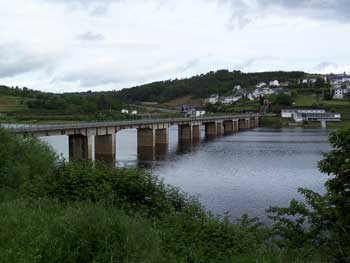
333,86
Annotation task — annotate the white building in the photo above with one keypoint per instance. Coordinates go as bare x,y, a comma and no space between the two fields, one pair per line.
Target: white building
134,112
213,99
274,83
230,100
200,113
289,113
124,111
340,92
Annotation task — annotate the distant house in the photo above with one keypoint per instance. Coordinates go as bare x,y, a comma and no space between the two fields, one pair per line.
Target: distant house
213,99
261,92
200,113
289,113
134,112
274,83
125,111
230,99
340,92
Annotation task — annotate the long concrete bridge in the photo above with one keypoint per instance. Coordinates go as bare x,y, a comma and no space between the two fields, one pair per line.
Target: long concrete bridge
152,135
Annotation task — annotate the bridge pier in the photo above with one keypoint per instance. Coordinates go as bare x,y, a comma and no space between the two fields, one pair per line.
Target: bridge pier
196,134
105,148
185,133
235,125
210,129
219,128
228,127
241,124
247,123
161,141
80,147
146,144
257,123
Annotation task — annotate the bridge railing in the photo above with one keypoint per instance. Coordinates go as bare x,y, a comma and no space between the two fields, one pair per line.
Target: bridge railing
82,125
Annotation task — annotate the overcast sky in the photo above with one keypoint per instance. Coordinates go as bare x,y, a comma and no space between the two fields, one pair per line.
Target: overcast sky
78,45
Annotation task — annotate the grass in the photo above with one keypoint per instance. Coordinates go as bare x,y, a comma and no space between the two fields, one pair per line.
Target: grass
12,103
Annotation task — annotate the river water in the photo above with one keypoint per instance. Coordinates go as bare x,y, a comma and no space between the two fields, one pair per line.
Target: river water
241,173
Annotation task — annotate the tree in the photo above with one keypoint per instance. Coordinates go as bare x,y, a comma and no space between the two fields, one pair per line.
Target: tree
282,99
323,220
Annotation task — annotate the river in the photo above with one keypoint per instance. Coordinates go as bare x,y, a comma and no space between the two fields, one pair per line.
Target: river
241,173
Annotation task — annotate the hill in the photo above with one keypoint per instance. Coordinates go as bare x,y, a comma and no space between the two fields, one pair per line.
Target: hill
201,86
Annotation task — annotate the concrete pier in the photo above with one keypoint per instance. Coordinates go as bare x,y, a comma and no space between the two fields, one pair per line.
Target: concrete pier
105,148
235,126
228,127
241,124
196,134
80,147
185,133
210,129
219,128
161,141
146,144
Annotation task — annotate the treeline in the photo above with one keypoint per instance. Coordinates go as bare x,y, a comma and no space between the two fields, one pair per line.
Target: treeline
202,86
87,102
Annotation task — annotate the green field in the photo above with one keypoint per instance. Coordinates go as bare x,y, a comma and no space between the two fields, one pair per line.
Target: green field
12,103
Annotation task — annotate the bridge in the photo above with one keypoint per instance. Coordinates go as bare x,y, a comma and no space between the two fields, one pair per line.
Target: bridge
152,134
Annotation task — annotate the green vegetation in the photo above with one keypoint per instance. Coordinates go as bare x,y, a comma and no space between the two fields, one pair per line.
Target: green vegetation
202,86
54,211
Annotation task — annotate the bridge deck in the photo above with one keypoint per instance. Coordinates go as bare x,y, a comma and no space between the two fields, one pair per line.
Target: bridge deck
24,128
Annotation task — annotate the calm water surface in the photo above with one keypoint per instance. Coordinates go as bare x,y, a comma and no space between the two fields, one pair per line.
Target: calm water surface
240,173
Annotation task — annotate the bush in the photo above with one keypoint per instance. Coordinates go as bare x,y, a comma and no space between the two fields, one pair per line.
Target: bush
281,99
24,161
46,231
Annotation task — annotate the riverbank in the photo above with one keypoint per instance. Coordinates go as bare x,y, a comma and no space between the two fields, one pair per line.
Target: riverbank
278,122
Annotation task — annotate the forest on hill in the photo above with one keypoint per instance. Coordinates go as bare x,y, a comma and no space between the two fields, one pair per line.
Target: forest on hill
202,86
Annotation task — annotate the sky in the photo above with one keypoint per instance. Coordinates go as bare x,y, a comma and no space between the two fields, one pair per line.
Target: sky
80,45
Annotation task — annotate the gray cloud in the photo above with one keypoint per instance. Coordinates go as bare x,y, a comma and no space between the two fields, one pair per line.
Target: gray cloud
16,60
338,10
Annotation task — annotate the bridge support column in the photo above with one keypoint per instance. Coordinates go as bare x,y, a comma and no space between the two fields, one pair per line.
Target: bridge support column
252,123
242,124
323,124
247,123
210,130
228,127
235,125
185,133
146,144
161,141
80,147
257,122
219,128
105,148
196,134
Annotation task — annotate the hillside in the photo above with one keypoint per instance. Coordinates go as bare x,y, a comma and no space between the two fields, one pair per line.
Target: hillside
220,82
